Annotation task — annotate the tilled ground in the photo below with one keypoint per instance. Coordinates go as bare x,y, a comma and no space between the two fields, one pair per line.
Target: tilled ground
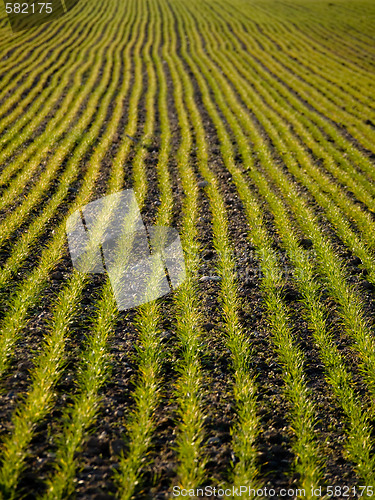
107,439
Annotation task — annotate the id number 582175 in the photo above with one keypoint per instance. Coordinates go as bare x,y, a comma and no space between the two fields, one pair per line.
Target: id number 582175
28,8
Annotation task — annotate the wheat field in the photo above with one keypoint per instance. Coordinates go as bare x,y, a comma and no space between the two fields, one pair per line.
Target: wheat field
249,126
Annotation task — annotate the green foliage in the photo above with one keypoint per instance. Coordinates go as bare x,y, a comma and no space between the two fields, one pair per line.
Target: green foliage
278,94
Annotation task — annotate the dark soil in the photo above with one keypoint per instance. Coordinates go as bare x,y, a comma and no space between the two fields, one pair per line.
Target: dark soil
107,439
